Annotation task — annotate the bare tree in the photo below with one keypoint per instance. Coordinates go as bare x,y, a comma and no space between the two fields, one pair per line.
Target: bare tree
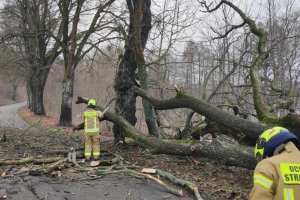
76,44
13,73
262,109
27,24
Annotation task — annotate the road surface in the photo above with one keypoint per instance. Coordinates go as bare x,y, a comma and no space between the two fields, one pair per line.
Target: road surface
9,116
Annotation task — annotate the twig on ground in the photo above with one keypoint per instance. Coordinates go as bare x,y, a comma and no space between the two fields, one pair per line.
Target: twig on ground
186,183
30,159
48,169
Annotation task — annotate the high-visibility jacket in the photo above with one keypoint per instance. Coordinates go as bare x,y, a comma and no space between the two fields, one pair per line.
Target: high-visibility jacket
91,120
278,177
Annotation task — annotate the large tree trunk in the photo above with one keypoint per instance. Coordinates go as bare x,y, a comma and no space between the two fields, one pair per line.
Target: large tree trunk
65,118
125,78
141,28
70,63
67,99
125,99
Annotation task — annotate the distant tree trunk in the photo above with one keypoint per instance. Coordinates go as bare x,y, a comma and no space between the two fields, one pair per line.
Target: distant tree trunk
14,90
38,100
67,99
35,90
29,95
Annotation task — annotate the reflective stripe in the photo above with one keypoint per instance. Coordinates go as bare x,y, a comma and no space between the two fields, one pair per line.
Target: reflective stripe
92,130
262,180
288,194
97,153
87,153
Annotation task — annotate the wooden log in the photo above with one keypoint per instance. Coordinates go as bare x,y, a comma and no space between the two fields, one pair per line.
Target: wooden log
48,169
30,159
192,186
17,162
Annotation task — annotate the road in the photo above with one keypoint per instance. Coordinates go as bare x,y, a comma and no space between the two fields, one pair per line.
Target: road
109,187
9,116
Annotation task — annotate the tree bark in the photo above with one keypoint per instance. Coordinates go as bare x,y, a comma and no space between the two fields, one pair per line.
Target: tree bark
70,63
126,74
141,28
36,82
292,122
125,99
65,118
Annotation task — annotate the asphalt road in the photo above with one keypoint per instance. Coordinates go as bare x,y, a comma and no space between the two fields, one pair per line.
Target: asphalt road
9,116
110,187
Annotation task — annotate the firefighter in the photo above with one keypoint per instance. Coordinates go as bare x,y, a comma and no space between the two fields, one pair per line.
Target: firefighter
91,119
277,174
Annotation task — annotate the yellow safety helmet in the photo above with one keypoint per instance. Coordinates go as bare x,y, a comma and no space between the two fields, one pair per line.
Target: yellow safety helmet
270,139
92,102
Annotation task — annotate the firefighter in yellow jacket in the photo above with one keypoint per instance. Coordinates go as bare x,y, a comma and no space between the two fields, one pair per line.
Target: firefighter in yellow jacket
91,119
277,175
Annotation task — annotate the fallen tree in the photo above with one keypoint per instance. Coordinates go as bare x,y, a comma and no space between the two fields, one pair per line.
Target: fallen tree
240,125
228,154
